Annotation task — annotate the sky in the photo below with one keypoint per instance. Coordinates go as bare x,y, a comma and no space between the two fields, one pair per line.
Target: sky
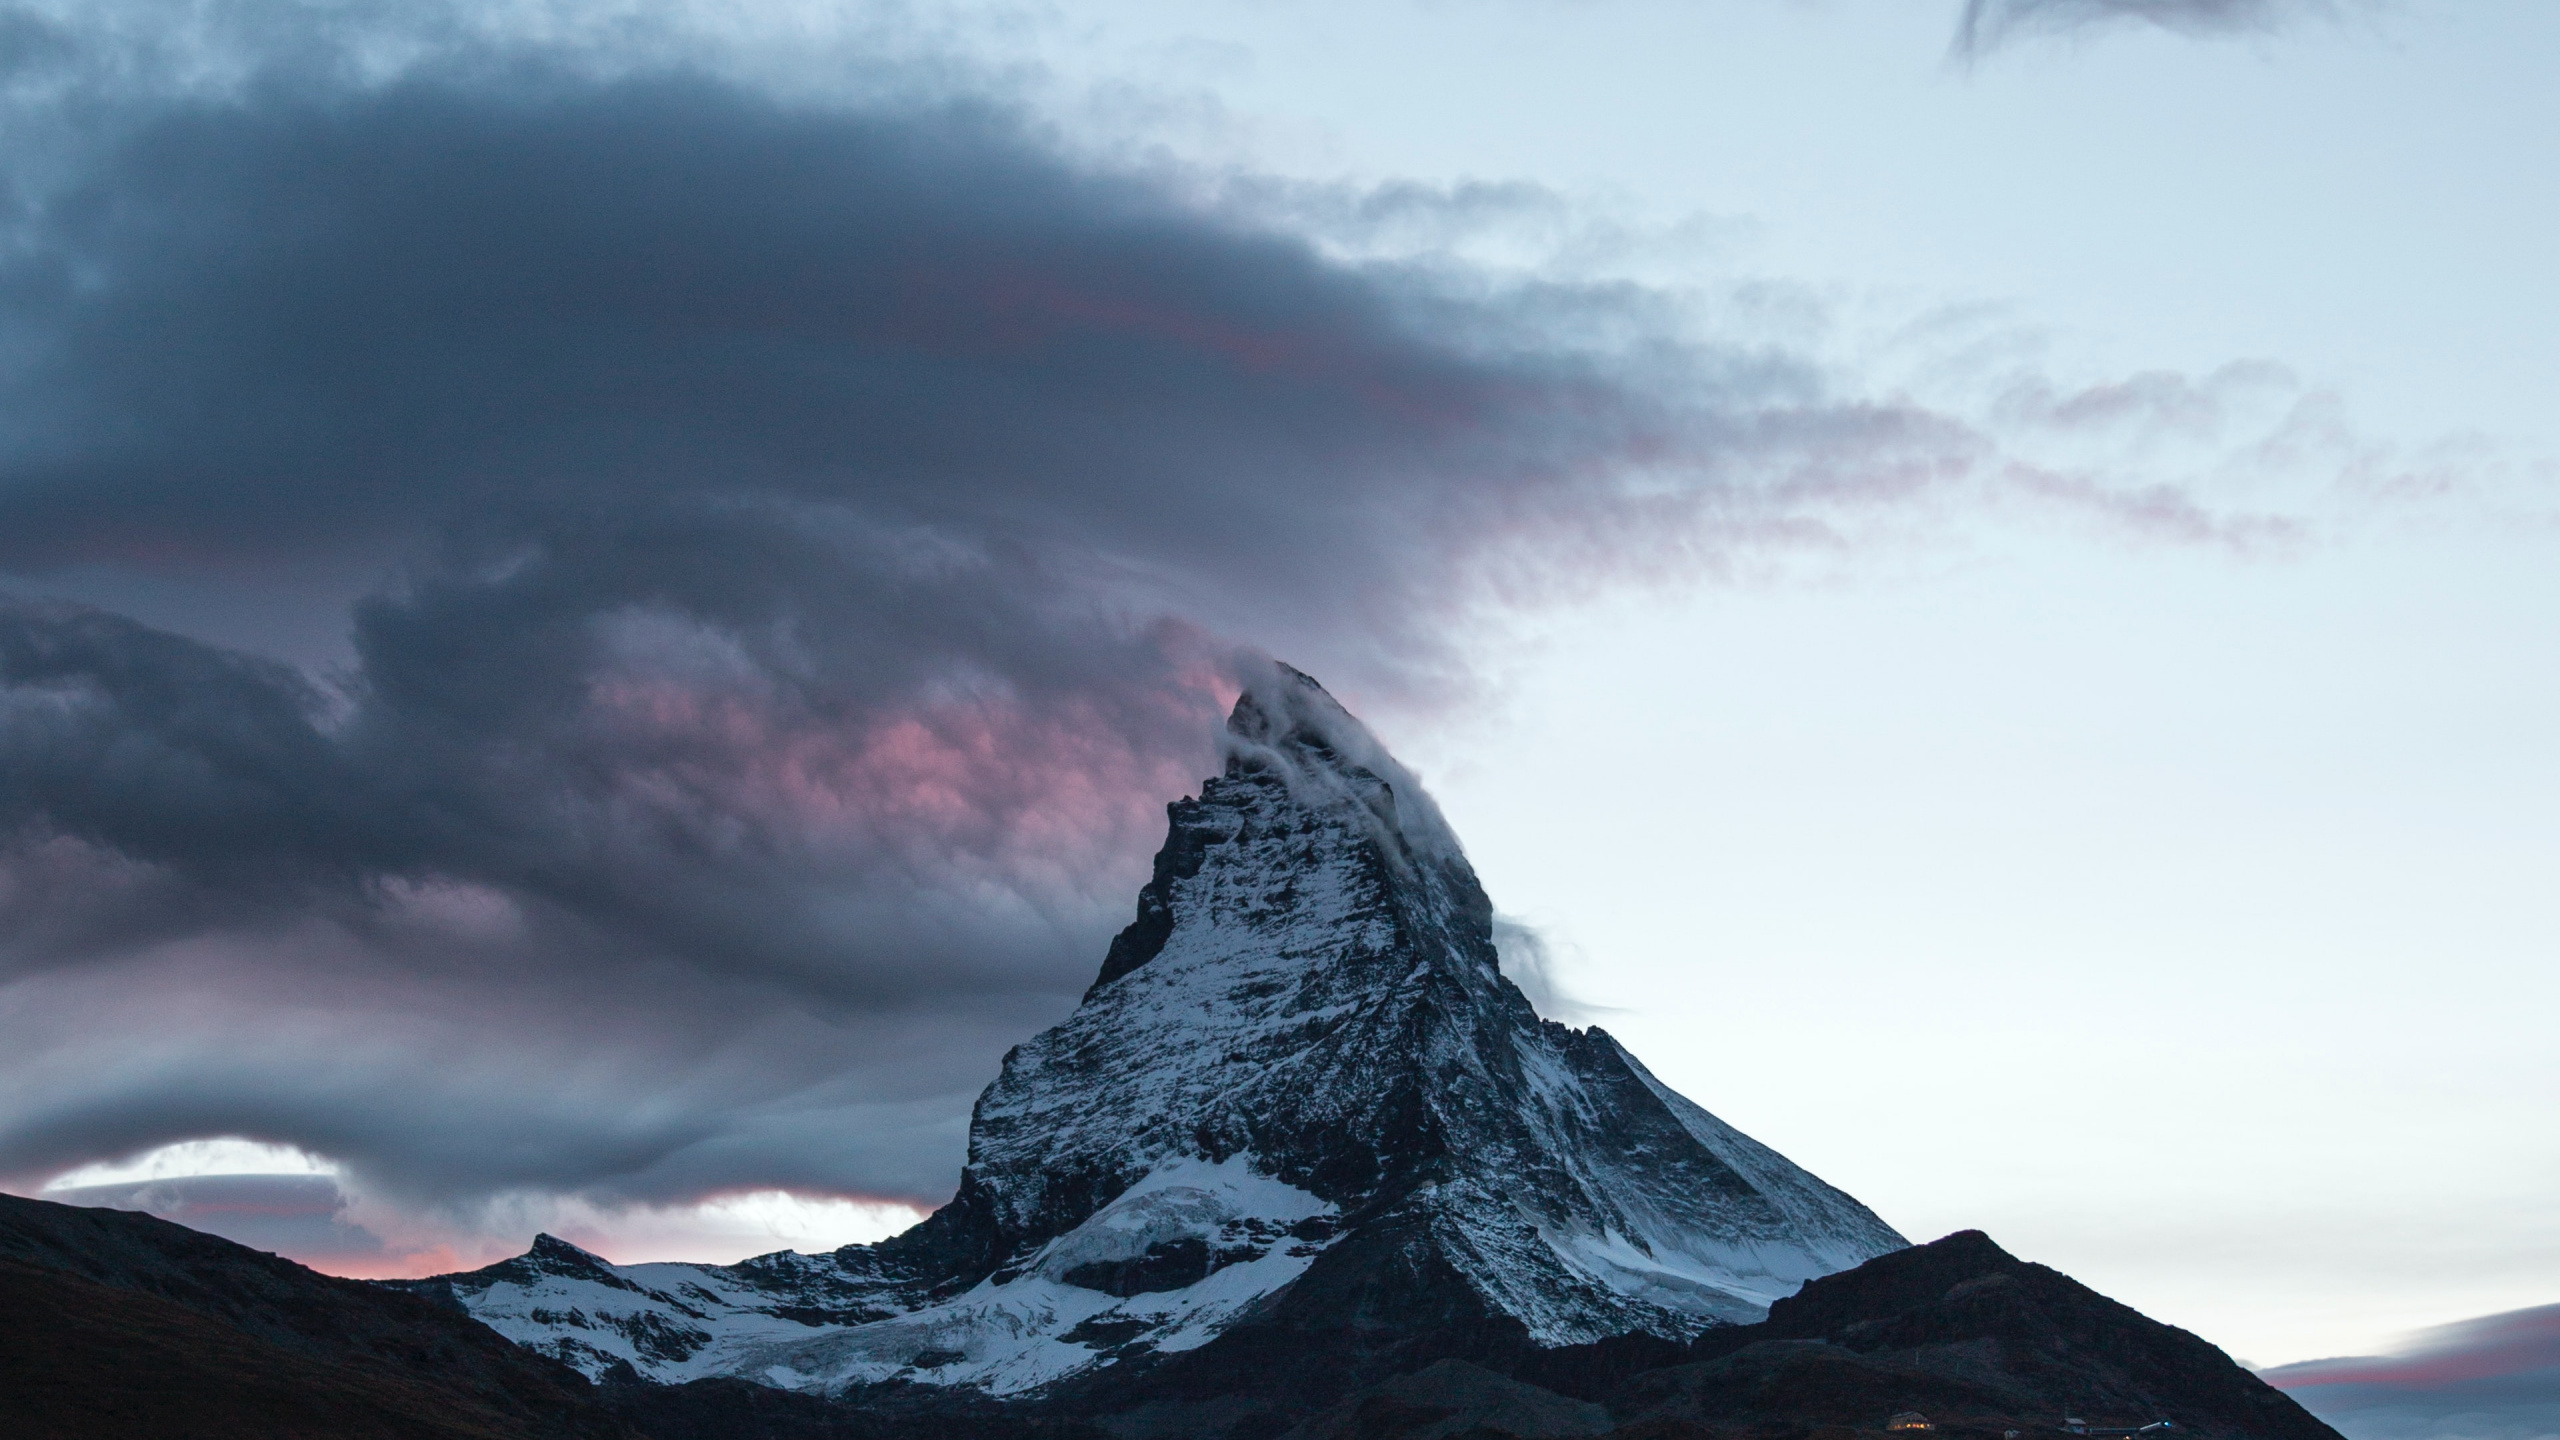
601,601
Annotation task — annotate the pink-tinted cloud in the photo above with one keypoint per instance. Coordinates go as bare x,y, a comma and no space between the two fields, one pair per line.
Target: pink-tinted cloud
2164,513
2514,1344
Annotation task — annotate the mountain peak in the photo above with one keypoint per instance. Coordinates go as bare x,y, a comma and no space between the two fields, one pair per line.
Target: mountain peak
1271,705
1295,759
551,1247
1287,724
1300,1093
551,1255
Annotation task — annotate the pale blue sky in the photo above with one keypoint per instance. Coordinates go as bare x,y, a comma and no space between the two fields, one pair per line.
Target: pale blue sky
2362,198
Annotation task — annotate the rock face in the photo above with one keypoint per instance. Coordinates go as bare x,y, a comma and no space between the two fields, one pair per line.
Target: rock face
1300,1093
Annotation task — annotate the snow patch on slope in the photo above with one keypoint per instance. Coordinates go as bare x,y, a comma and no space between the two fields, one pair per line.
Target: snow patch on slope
1251,1235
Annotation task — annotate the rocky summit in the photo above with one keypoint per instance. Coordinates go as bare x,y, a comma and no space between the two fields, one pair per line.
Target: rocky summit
1300,1110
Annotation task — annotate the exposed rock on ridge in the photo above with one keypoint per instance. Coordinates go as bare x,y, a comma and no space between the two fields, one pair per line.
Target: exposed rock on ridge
1300,1092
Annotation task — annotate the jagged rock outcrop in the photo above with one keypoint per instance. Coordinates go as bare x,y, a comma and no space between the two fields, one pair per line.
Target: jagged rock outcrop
1300,1094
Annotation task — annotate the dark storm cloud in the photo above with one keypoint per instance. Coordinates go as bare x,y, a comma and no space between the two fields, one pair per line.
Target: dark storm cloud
818,539
284,324
1989,24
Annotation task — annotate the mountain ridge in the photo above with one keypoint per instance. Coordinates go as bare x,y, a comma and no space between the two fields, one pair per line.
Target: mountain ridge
1303,1165
114,1323
1299,1071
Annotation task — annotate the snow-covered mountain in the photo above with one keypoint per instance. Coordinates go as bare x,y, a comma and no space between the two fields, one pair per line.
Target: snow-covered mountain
1300,1092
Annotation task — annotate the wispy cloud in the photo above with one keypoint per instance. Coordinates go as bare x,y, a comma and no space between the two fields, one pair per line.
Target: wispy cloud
1987,25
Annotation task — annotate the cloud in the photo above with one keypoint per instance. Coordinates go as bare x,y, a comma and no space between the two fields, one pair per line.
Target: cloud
816,532
314,1217
300,1215
1989,24
2493,1378
811,535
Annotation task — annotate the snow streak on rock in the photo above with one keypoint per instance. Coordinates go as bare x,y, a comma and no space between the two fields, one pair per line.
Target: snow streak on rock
1303,1041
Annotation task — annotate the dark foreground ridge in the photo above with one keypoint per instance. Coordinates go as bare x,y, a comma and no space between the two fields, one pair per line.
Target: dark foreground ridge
1304,1162
1958,1331
1976,1339
115,1324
